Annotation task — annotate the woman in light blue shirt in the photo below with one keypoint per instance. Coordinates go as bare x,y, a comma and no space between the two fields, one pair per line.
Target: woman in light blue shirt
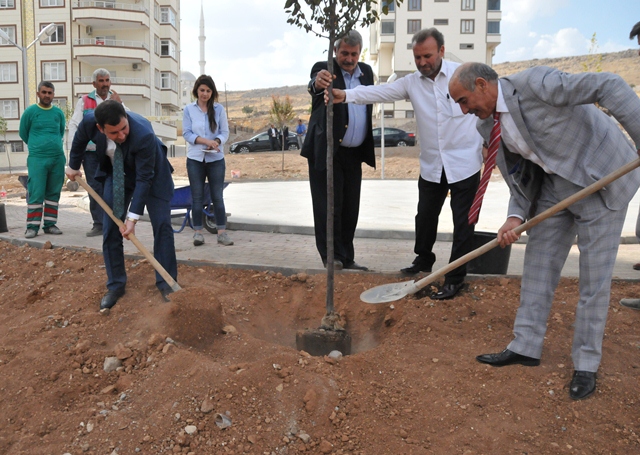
205,128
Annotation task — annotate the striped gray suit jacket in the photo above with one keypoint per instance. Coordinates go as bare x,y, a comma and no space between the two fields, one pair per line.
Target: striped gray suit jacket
556,115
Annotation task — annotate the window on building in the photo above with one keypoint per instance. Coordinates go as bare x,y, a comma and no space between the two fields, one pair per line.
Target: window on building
168,81
9,109
156,44
468,5
10,30
57,37
54,71
158,110
493,27
167,48
467,26
466,46
156,12
167,16
7,4
409,114
8,72
388,114
16,146
441,22
391,4
413,26
441,1
414,5
60,102
493,5
107,40
387,27
46,3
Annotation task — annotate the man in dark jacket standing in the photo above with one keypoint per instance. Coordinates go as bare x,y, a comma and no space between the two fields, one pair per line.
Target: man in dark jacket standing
353,142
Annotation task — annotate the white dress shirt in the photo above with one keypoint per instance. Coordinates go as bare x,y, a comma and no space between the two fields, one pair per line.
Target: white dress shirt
448,138
511,135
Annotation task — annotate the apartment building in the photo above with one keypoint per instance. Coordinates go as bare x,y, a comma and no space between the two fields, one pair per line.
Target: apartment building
136,40
471,30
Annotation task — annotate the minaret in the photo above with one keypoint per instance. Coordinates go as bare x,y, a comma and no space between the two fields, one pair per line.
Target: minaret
202,38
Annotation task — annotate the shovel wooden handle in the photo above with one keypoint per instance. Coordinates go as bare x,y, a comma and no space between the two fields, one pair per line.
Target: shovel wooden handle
156,265
596,186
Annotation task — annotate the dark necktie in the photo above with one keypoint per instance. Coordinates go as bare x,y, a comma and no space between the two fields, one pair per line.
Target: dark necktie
494,141
118,182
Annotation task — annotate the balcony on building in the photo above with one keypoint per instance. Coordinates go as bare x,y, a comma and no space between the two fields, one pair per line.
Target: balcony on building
128,87
103,14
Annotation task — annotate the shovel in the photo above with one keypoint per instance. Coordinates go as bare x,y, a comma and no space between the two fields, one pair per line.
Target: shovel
395,291
156,265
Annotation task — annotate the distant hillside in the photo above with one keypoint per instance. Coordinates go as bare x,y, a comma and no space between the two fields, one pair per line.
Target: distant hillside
625,63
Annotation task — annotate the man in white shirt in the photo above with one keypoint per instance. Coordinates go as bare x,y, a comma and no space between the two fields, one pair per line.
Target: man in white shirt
87,103
450,152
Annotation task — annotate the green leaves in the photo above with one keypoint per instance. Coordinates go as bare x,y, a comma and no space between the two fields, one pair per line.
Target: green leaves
314,15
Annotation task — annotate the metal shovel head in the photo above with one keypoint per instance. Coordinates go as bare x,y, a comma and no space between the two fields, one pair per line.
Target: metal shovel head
389,292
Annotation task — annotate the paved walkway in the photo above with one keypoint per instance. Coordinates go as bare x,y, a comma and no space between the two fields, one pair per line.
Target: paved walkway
271,224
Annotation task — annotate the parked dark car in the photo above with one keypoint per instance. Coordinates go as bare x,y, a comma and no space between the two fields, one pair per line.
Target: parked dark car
260,143
393,137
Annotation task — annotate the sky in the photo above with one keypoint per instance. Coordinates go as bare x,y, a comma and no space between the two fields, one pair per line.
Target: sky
250,44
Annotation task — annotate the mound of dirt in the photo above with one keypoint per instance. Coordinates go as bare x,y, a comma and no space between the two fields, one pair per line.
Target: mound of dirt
159,378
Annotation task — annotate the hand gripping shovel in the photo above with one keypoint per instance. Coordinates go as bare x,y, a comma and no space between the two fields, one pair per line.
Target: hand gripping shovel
156,265
396,291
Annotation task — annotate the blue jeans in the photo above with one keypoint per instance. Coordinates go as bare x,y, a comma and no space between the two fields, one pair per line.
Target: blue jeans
198,172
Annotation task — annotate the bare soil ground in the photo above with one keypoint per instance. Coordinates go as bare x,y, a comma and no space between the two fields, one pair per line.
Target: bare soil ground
226,345
411,386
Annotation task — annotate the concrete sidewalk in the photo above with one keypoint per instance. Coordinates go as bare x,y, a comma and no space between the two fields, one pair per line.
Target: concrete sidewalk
271,224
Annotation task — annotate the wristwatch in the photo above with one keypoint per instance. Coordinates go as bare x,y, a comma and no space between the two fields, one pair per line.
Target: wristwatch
133,220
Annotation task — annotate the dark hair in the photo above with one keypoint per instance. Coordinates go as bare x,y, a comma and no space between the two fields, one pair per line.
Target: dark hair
109,112
469,72
208,81
635,31
46,84
423,34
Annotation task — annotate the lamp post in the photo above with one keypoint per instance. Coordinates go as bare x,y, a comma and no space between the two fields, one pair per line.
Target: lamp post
44,33
390,79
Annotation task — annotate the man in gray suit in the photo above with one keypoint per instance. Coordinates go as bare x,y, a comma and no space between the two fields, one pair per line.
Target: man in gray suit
555,142
634,303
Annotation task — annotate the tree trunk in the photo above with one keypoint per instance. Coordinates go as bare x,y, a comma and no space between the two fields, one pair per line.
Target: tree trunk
330,193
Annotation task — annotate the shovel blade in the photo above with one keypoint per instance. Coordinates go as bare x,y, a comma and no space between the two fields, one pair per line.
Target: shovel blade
389,292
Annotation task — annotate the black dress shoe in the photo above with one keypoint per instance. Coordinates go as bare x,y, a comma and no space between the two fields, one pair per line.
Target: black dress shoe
110,298
582,385
165,294
448,291
355,266
416,268
636,266
507,357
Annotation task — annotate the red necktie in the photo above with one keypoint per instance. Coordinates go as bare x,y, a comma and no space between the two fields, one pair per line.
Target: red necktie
494,141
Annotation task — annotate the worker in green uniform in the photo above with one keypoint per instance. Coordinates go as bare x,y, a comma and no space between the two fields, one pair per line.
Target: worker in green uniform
42,129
